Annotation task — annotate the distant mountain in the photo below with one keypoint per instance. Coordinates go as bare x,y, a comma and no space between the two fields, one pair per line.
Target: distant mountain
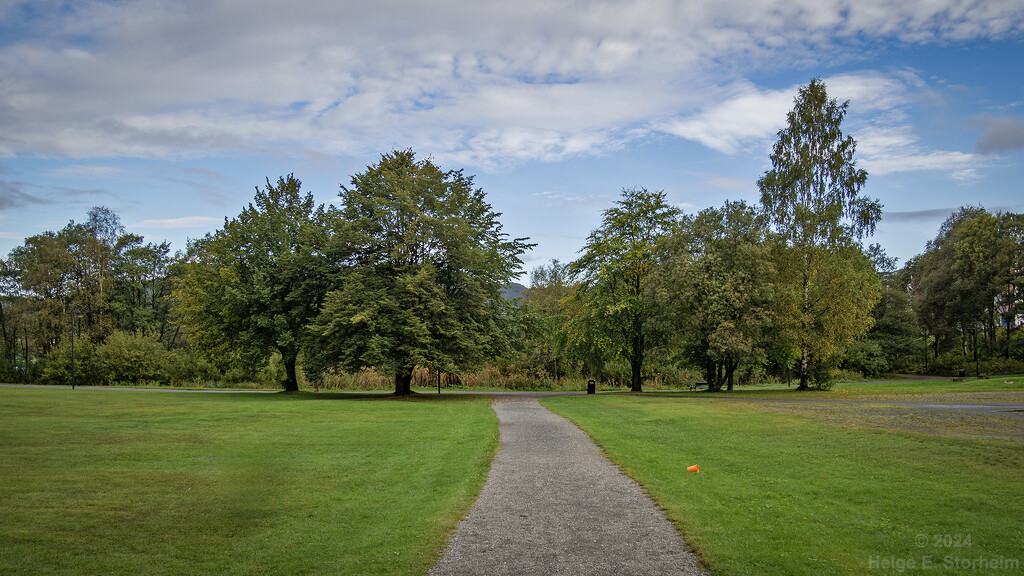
513,290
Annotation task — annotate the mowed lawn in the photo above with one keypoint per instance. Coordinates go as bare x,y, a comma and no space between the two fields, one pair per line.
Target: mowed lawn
781,494
134,482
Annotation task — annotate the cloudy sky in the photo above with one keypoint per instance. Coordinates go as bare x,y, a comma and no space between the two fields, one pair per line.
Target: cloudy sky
171,112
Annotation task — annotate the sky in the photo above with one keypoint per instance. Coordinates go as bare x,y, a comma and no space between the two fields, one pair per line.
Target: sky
172,112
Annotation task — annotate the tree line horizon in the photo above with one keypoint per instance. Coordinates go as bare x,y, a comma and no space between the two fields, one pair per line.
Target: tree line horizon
407,273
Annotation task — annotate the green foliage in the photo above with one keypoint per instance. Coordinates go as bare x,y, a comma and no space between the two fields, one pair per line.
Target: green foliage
251,288
811,197
613,305
545,351
424,260
95,270
965,284
56,365
130,357
895,329
717,289
866,357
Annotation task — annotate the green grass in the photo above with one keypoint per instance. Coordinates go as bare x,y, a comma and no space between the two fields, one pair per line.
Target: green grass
1013,384
132,482
784,494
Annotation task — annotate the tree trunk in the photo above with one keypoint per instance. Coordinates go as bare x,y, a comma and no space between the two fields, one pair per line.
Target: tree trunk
635,364
403,382
636,359
804,362
805,328
730,371
291,383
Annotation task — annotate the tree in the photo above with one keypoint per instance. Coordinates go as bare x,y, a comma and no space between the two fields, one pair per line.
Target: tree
966,280
612,302
253,286
143,282
717,286
811,197
421,262
544,319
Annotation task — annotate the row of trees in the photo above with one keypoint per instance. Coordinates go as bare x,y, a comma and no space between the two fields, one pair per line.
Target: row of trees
92,274
406,272
965,287
726,282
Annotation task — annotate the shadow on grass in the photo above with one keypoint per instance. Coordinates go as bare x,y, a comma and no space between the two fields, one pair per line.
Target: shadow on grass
364,396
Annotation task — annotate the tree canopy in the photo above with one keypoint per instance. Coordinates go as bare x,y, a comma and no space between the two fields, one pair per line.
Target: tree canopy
812,197
717,287
421,262
253,286
614,305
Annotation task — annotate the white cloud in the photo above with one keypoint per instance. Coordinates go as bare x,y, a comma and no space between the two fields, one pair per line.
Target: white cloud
178,223
895,148
489,82
877,118
745,114
750,115
88,171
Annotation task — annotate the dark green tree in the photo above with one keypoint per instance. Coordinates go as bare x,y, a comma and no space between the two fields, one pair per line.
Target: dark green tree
717,287
964,285
252,287
613,304
422,260
812,198
544,319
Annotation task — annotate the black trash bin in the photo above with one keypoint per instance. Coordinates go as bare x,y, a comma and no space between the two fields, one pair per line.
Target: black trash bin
591,386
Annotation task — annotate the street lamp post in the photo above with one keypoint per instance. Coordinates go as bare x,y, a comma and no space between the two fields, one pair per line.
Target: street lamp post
72,348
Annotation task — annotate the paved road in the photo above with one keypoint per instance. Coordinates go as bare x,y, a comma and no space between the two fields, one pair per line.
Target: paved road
554,505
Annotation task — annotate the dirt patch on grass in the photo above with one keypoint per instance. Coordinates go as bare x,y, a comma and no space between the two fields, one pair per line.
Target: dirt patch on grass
958,397
940,414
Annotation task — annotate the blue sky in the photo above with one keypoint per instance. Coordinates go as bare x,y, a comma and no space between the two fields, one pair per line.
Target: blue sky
171,112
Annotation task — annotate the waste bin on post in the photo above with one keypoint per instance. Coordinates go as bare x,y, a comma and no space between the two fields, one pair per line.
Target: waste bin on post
591,386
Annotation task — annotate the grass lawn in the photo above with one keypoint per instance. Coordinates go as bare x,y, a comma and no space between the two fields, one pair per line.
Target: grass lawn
987,389
1013,383
785,494
133,482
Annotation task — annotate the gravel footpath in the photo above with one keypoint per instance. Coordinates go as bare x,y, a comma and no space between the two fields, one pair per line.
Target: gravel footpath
553,504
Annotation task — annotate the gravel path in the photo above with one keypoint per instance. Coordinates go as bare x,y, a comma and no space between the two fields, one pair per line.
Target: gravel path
554,505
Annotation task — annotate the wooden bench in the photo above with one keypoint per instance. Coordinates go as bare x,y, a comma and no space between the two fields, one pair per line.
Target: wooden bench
699,385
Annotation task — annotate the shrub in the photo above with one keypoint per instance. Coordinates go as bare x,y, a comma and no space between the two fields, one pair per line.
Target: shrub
56,365
866,357
132,358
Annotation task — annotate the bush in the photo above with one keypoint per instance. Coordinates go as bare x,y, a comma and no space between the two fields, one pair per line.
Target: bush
866,357
185,366
950,363
132,358
56,365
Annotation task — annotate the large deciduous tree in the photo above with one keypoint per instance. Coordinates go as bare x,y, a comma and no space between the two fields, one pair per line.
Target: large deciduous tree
717,287
251,288
421,263
812,197
612,302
